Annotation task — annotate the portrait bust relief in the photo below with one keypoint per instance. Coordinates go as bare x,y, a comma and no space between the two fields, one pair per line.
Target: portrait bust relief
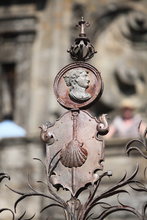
78,81
78,85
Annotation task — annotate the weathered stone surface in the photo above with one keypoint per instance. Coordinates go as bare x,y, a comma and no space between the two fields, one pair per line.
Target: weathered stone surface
121,39
16,159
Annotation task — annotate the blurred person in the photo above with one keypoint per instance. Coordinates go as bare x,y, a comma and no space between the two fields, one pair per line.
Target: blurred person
8,128
127,123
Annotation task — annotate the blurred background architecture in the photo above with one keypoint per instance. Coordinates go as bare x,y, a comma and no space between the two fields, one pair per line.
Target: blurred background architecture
34,37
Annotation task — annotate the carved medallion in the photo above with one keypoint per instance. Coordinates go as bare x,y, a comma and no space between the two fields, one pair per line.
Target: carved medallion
77,85
75,150
78,81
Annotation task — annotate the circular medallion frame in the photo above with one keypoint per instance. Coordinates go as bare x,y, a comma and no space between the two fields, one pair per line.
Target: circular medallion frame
62,91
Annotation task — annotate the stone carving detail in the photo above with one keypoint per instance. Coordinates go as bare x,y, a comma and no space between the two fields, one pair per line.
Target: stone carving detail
120,32
135,29
78,81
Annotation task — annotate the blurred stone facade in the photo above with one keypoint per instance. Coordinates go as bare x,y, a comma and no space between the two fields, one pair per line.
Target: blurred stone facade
34,37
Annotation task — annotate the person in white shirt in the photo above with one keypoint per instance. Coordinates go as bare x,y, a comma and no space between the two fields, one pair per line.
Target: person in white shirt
126,124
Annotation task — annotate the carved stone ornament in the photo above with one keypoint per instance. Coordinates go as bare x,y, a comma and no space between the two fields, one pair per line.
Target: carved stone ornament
76,150
77,85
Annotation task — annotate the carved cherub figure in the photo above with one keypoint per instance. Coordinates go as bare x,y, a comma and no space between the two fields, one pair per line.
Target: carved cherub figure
78,81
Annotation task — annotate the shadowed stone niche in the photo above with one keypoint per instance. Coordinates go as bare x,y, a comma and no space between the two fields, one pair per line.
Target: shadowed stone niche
39,4
17,34
120,36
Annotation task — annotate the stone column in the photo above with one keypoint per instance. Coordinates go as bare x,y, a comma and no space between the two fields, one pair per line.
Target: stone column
49,56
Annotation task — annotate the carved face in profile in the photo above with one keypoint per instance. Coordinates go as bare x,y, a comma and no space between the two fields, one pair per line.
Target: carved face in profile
78,81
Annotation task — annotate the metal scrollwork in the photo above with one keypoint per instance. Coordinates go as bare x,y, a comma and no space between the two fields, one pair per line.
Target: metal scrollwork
75,148
103,127
74,208
82,49
45,135
3,176
139,145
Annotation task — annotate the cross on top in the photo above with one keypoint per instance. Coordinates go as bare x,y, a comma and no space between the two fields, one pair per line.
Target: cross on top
82,24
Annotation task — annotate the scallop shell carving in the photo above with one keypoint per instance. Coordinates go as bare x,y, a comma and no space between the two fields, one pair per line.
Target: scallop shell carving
73,154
